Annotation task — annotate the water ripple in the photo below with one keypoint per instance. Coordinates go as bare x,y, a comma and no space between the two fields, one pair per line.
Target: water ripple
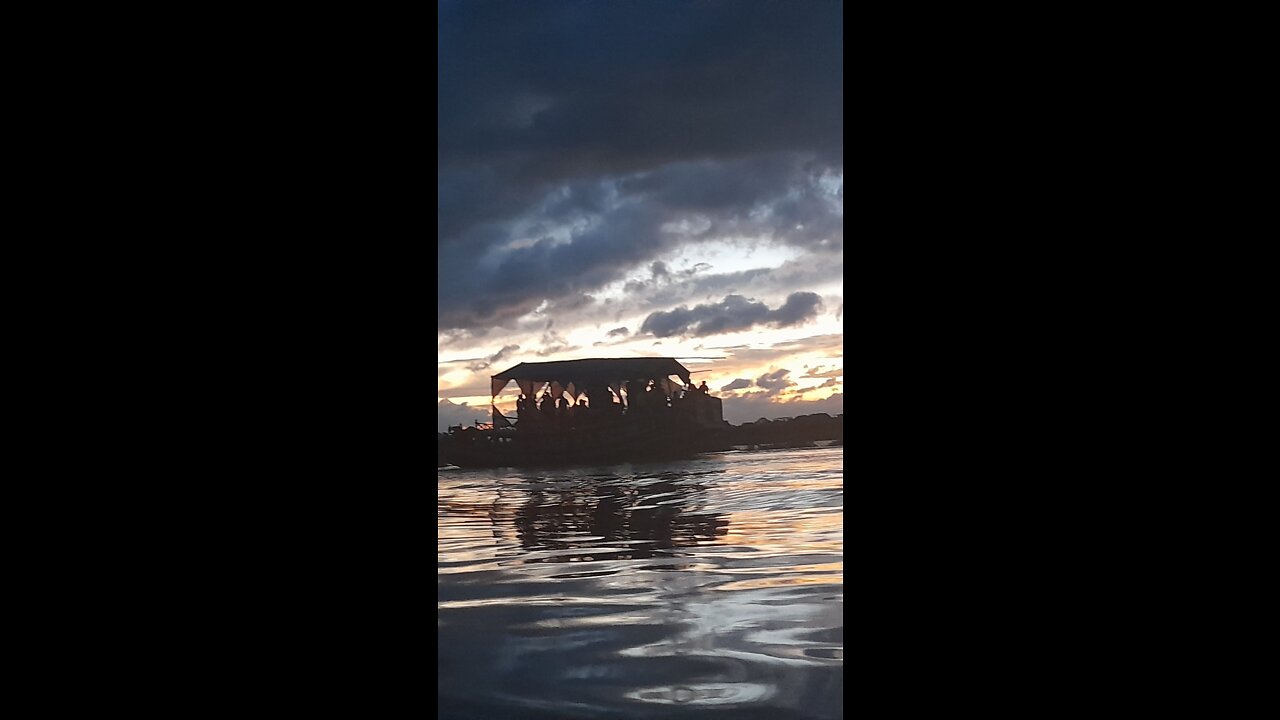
708,586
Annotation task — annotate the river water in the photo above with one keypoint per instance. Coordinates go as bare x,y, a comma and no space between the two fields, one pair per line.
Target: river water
711,587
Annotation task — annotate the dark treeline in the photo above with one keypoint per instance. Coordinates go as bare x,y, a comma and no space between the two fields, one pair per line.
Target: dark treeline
801,430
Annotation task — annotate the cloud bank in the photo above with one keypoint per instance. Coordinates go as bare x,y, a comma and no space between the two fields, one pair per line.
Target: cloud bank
733,314
576,141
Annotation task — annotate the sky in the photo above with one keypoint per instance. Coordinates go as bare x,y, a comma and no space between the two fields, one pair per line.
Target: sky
629,178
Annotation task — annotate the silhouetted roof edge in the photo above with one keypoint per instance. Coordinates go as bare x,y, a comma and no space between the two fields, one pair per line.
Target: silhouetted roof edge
605,370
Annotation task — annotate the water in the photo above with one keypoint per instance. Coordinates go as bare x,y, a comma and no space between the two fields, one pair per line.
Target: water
711,587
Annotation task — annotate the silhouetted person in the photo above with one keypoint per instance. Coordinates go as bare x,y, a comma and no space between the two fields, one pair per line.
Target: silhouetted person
547,406
704,389
522,405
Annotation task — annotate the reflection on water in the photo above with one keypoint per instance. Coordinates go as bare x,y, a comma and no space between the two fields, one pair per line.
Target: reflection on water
642,520
711,586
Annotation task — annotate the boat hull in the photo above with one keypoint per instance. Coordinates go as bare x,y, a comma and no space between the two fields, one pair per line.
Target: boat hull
654,442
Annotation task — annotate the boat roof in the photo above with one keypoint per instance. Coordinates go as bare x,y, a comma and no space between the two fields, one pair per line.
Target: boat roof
596,370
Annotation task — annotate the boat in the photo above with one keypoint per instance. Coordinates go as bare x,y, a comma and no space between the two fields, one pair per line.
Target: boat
592,411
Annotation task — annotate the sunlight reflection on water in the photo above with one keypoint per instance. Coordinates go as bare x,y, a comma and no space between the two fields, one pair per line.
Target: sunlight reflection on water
660,590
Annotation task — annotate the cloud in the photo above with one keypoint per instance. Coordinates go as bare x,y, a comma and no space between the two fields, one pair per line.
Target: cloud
486,362
491,275
451,413
577,142
477,387
827,345
800,306
737,384
565,305
591,156
733,314
775,382
632,81
749,408
553,342
818,372
810,270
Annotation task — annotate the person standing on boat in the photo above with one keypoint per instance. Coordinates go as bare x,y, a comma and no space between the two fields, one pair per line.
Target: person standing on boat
562,412
652,396
630,405
704,389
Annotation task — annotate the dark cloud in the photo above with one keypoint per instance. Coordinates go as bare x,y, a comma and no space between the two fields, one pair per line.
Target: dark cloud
571,304
633,80
576,139
774,381
818,372
479,365
494,288
737,384
812,270
733,314
490,276
618,331
800,306
659,275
